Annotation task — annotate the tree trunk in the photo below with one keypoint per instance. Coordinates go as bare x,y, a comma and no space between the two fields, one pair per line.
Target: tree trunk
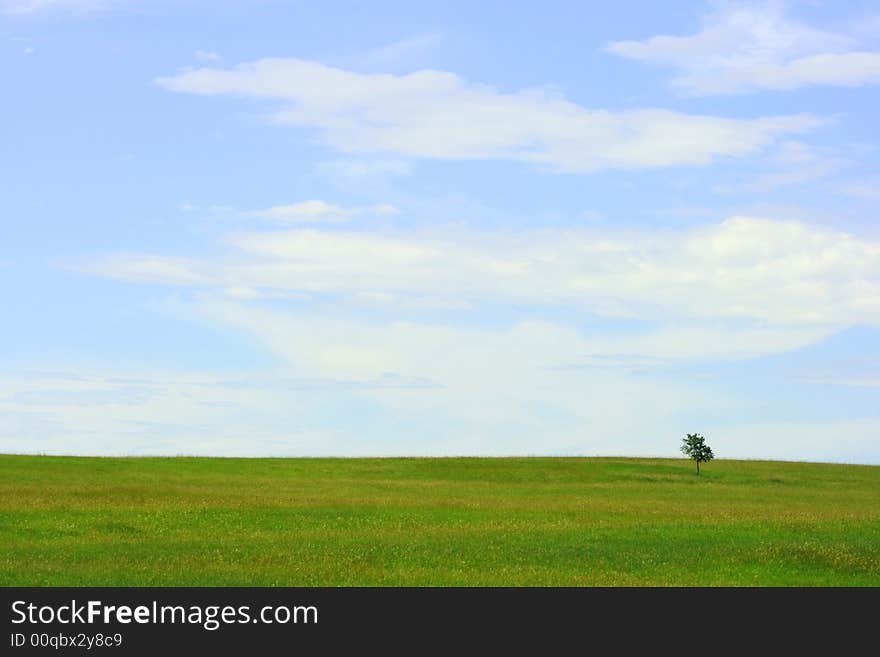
698,467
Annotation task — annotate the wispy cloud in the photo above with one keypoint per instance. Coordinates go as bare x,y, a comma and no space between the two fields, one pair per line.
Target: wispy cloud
784,273
847,440
745,48
864,189
133,412
35,6
363,170
278,414
315,211
840,381
207,56
792,163
400,52
435,114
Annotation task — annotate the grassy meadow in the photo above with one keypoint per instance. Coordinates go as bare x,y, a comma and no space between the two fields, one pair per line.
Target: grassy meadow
425,522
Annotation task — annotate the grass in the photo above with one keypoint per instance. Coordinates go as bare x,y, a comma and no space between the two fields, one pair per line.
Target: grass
425,522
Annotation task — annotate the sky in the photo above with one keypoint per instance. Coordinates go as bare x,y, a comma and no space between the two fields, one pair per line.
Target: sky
276,228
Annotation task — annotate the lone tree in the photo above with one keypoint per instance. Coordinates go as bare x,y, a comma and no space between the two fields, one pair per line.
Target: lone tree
695,446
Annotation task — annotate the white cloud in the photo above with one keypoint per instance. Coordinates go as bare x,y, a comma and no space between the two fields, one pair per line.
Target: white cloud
348,347
497,391
841,441
359,171
744,48
315,211
837,381
408,302
162,270
176,412
207,56
792,163
384,209
506,407
241,292
864,189
440,115
742,288
304,212
782,273
33,6
400,52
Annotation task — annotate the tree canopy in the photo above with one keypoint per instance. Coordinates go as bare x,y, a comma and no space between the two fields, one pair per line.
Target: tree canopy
694,446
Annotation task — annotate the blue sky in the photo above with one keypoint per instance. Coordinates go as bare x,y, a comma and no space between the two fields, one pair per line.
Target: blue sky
280,228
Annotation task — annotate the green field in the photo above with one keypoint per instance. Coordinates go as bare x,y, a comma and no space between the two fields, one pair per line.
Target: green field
462,521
